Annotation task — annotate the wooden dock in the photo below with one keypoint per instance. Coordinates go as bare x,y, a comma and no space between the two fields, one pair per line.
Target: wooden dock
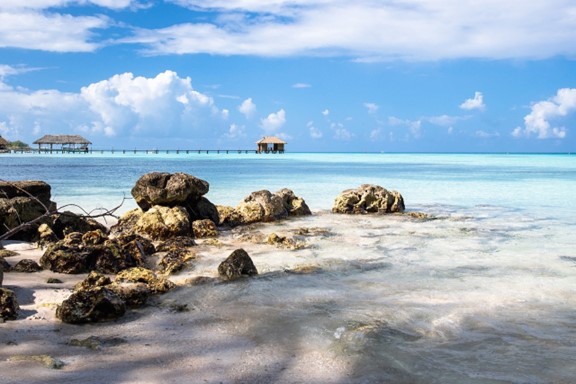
144,151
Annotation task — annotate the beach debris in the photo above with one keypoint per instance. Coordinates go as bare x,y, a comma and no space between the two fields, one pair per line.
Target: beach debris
238,264
91,305
204,228
27,266
263,206
46,360
8,305
368,198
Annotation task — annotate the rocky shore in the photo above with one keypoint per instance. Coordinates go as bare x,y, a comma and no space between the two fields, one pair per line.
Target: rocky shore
62,268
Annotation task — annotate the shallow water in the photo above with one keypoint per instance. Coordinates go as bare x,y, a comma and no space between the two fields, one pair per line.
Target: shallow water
484,292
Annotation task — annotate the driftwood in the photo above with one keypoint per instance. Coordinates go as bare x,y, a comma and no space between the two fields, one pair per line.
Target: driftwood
93,214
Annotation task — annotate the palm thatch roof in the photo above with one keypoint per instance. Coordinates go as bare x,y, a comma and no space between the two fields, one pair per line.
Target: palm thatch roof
270,140
62,139
3,142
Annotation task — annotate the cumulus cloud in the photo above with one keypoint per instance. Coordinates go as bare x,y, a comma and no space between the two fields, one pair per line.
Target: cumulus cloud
236,131
477,102
538,121
369,30
247,108
414,126
123,105
274,121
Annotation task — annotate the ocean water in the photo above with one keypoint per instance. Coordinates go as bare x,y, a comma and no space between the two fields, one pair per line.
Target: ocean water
484,292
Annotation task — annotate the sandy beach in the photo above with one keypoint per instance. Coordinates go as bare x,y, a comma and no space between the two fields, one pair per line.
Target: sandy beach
165,342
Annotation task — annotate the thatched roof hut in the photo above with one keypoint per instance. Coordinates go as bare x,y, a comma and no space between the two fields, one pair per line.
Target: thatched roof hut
270,144
67,143
3,143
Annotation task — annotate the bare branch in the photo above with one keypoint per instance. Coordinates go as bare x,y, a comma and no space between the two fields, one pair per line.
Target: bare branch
105,213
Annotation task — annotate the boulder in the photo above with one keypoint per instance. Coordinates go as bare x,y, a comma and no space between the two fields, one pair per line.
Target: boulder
238,264
264,206
22,202
27,265
176,243
78,253
135,295
165,189
8,305
368,199
91,305
68,222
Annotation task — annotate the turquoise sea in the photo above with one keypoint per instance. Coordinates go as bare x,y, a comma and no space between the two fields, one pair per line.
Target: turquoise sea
484,293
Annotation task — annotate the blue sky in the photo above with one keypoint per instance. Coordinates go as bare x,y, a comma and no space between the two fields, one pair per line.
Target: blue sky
325,75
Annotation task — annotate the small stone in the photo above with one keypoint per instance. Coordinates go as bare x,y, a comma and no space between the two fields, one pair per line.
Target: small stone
236,265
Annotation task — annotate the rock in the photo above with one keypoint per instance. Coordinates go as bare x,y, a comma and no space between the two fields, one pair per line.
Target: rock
285,242
7,253
176,260
1,272
126,223
135,295
22,202
53,280
176,243
91,305
165,189
143,275
160,223
296,206
8,305
46,360
236,265
202,209
72,255
204,228
93,280
368,199
27,265
68,222
263,206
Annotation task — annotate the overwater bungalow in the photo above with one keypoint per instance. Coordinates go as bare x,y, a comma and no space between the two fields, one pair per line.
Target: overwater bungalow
63,143
269,144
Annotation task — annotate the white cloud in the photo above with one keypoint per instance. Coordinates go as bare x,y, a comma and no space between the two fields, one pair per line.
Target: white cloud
475,103
538,121
371,107
301,85
414,126
274,121
247,108
445,120
326,112
236,131
373,30
49,32
123,105
315,133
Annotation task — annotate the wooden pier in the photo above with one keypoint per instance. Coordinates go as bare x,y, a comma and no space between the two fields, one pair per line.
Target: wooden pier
142,151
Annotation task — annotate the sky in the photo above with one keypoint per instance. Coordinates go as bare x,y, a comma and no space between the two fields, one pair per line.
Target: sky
324,75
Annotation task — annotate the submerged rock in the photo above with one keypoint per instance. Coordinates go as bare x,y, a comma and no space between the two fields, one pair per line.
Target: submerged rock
238,264
204,228
368,199
8,305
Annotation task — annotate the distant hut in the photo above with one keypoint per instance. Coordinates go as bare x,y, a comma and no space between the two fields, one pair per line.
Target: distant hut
270,144
3,144
65,143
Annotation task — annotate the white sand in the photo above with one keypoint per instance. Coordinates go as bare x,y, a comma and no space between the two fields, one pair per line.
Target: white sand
149,345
